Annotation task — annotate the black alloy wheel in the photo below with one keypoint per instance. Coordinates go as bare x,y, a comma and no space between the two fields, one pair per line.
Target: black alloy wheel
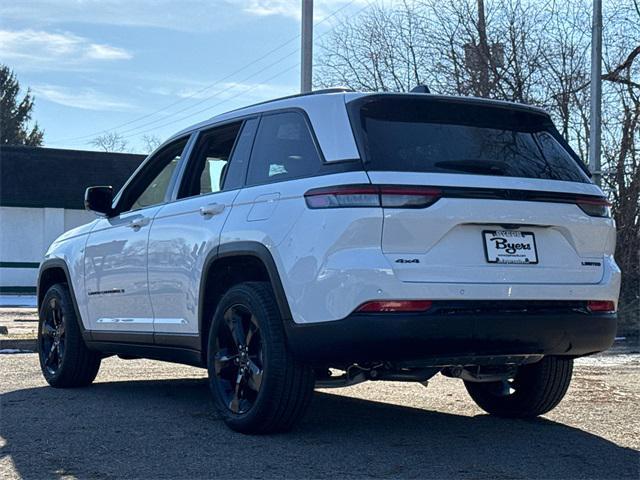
65,360
257,384
52,338
239,359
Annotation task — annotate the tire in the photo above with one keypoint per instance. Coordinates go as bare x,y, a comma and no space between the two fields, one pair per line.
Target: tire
247,332
65,360
536,389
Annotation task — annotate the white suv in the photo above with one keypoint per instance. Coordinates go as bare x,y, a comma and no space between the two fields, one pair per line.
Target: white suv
337,237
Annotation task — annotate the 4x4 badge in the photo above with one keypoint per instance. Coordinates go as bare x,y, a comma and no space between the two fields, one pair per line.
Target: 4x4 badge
407,260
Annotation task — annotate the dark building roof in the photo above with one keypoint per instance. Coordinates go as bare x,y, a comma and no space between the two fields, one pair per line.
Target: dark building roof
51,177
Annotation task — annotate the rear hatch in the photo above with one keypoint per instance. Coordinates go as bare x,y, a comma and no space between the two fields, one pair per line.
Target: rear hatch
494,194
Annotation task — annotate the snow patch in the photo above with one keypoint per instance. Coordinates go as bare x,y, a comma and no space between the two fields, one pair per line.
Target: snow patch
28,301
609,360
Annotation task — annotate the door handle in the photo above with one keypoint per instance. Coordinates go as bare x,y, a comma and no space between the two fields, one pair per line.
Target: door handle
213,209
139,223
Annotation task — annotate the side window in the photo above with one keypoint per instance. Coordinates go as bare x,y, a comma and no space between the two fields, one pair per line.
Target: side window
219,160
153,182
283,149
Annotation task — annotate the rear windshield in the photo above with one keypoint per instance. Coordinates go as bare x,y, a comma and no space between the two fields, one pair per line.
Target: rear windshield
427,135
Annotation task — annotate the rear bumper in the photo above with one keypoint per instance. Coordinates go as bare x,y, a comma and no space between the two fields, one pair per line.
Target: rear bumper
439,336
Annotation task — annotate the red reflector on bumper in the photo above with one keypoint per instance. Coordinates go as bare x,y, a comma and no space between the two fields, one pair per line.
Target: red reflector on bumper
601,306
378,306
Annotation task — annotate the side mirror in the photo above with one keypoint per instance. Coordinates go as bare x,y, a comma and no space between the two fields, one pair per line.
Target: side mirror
99,200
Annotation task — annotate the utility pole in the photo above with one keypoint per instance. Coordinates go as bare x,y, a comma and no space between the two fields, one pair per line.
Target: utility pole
483,47
596,93
306,46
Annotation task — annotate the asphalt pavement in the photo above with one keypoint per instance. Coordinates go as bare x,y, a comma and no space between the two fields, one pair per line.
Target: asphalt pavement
152,420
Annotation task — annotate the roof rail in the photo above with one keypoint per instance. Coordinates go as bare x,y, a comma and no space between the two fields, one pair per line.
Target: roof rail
327,90
314,92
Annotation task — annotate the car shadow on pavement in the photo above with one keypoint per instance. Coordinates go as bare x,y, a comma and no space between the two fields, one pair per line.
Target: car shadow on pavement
168,429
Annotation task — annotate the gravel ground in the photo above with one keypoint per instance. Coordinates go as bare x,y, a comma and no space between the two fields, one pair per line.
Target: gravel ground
18,328
150,420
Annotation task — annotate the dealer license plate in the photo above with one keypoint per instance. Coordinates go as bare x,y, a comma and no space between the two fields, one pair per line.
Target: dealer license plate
510,246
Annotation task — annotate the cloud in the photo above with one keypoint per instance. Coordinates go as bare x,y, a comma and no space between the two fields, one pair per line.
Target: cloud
183,15
105,52
40,49
197,91
292,8
263,8
84,99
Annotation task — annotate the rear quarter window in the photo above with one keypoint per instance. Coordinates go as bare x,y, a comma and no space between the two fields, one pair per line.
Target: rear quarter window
284,149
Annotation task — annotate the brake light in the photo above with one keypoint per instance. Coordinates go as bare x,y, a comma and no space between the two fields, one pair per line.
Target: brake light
601,306
379,306
387,196
594,206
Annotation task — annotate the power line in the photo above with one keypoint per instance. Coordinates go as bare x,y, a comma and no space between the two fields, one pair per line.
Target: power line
242,92
200,102
204,89
172,121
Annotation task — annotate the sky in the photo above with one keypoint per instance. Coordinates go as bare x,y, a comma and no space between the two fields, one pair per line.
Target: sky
153,67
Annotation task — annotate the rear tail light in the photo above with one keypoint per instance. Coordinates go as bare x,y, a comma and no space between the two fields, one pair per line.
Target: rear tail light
601,306
594,206
408,197
379,306
343,196
388,196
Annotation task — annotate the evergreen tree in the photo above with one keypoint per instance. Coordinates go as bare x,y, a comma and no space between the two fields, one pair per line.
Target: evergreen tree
15,114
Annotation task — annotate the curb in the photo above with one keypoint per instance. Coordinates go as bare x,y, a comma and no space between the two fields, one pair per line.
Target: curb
25,345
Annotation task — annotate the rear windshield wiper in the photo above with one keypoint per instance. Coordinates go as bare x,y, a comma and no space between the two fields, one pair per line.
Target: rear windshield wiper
482,167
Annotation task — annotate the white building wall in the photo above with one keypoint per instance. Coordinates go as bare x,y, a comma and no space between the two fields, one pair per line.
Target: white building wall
21,233
25,235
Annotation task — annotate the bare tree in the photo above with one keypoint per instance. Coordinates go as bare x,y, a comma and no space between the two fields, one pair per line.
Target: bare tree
621,143
150,143
455,47
110,142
